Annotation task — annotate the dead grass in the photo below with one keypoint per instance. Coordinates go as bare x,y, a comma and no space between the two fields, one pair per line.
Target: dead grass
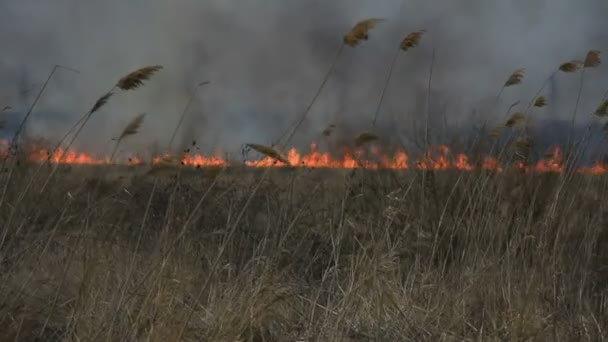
316,256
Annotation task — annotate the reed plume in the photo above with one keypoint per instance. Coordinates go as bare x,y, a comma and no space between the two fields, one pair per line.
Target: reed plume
516,119
540,102
592,60
132,128
570,66
269,152
102,101
365,138
360,31
602,109
136,78
515,78
411,40
522,147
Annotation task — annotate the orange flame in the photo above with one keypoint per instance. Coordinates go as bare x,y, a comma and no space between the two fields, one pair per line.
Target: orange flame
437,158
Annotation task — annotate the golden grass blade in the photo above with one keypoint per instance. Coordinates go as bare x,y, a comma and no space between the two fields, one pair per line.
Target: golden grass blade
602,109
592,59
136,78
540,102
101,102
365,138
132,127
516,119
516,78
269,152
571,66
411,40
360,31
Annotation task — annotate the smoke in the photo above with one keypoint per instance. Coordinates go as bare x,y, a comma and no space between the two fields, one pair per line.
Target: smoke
265,59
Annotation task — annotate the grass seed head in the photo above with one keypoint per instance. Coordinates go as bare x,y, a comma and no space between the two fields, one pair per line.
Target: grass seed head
101,102
496,132
593,59
136,78
540,102
516,78
602,109
360,31
269,152
522,147
571,66
412,40
365,138
132,127
516,119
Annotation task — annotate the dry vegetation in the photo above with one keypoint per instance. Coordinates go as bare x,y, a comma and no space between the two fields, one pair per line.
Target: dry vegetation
305,255
111,253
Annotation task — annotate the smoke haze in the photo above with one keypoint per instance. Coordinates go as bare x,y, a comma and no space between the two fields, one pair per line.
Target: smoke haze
265,59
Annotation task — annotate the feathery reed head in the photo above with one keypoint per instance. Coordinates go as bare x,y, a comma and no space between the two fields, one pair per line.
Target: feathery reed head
364,138
269,152
516,119
136,78
496,132
101,102
602,109
522,146
540,102
516,77
571,66
360,31
592,59
412,40
132,127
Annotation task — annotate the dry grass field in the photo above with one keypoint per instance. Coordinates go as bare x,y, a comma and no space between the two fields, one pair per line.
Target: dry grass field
303,255
169,253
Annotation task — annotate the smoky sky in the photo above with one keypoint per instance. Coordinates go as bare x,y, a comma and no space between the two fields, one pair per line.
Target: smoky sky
266,58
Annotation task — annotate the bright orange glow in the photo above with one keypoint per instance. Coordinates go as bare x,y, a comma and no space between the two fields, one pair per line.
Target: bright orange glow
438,158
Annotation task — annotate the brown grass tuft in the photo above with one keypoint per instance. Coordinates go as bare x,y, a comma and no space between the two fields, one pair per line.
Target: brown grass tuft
571,66
516,78
602,109
412,40
593,59
360,31
540,102
365,138
516,119
136,78
269,152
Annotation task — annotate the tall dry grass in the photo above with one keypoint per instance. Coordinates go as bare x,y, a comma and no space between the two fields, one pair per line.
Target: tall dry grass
172,254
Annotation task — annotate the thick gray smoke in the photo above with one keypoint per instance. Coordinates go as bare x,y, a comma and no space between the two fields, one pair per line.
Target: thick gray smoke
265,60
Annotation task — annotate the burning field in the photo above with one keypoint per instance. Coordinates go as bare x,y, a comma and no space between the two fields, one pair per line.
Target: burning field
361,240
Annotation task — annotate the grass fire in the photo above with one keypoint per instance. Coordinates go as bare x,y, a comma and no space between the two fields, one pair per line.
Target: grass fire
430,226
